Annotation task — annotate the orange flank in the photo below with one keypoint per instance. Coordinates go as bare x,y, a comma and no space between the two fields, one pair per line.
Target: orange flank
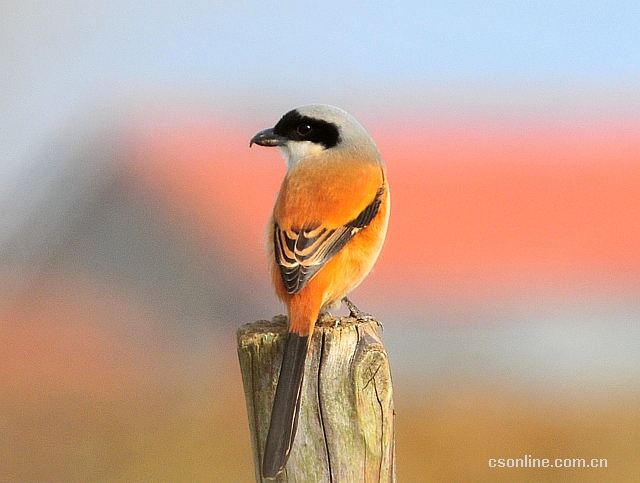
355,260
475,208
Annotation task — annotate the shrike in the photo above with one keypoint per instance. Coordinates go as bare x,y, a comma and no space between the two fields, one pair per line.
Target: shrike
327,229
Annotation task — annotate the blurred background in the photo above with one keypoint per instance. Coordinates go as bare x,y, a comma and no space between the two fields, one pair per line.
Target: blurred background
132,217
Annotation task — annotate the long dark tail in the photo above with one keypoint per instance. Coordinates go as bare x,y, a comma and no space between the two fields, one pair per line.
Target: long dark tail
286,405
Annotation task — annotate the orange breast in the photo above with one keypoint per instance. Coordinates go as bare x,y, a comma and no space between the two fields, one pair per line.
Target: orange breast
331,192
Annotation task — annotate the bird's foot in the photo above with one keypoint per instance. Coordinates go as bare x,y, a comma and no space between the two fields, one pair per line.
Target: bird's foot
357,314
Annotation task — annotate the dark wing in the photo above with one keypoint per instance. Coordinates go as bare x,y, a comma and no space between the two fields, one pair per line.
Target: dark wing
301,253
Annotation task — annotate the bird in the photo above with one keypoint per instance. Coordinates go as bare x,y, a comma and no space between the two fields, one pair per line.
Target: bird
327,229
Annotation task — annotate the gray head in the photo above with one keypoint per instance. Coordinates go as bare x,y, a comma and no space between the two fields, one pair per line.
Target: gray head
312,129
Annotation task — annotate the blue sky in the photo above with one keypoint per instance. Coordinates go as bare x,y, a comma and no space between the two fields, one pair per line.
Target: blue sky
61,58
250,43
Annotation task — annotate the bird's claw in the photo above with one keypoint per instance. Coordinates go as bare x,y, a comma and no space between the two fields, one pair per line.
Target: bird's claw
356,313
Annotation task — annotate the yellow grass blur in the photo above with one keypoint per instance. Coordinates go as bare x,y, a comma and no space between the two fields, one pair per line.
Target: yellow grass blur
170,430
450,435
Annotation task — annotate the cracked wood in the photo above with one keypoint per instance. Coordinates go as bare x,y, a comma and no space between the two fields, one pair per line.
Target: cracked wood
346,423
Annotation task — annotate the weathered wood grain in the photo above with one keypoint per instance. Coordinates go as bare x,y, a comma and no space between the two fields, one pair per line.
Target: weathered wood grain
346,423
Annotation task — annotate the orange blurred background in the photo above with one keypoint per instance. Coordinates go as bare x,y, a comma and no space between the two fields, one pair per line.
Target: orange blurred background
133,241
117,348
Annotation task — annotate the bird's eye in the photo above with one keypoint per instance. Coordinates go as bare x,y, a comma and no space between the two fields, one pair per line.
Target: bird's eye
304,129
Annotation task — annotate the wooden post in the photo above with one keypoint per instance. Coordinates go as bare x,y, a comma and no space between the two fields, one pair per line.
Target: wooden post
346,423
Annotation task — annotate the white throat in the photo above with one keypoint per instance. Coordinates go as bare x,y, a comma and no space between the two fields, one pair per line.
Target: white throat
294,151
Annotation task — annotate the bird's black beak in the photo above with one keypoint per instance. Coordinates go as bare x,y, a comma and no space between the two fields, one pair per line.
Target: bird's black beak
268,138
